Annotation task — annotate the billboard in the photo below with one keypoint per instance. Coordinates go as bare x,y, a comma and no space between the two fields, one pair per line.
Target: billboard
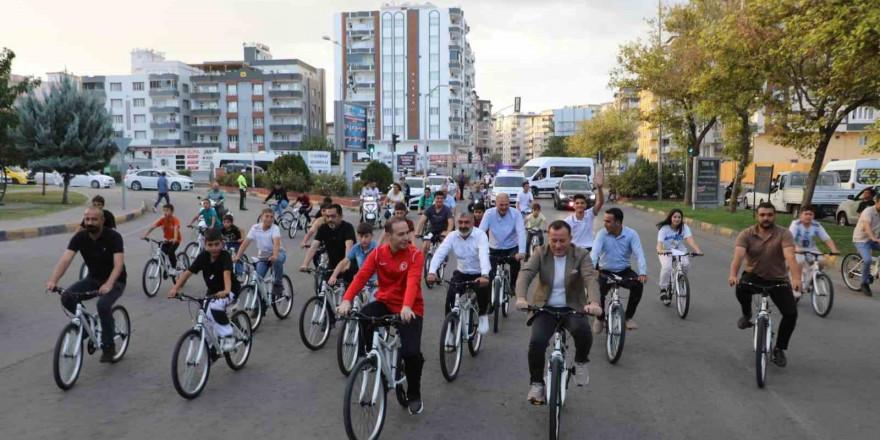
193,159
317,161
355,129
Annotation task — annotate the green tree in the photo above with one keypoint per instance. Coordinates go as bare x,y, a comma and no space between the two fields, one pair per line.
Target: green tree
823,59
611,132
291,170
556,147
10,155
378,172
67,131
321,143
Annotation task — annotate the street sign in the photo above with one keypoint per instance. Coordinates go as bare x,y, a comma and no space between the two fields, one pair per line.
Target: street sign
406,161
707,181
763,181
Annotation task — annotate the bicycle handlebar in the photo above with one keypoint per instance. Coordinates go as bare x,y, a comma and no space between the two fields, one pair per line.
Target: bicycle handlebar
614,279
818,254
381,321
686,254
87,295
472,283
506,259
557,314
185,297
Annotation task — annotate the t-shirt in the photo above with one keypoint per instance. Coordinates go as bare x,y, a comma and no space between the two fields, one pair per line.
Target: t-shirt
264,239
392,198
449,202
233,234
673,239
162,184
525,200
212,271
557,290
582,230
805,238
109,220
872,218
438,220
334,240
533,222
209,214
358,254
169,226
424,203
764,256
304,200
98,253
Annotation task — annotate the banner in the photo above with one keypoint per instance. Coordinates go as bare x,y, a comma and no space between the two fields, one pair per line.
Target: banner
193,159
355,130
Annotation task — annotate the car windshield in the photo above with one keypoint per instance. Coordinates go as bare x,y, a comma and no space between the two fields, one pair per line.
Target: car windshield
415,183
436,181
172,173
529,171
575,185
93,173
508,181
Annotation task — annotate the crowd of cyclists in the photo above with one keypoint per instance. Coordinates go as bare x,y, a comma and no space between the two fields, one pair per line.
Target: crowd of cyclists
570,269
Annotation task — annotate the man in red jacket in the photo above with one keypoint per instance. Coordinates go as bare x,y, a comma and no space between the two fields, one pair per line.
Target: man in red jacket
399,267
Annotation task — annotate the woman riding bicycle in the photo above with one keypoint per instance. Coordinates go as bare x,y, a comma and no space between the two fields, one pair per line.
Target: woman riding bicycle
671,235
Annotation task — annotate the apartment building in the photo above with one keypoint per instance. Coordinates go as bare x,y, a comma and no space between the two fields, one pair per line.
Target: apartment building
539,130
712,146
485,128
510,138
567,119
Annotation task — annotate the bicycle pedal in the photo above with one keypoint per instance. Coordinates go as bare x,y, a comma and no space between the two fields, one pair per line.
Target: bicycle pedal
90,347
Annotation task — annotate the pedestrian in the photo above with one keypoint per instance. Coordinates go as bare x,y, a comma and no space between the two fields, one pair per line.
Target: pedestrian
461,182
162,185
242,192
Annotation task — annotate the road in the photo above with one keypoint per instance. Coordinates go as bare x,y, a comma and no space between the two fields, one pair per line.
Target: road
677,379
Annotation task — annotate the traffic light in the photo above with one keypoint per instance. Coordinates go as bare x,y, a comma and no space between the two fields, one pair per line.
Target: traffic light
470,157
690,151
395,139
371,149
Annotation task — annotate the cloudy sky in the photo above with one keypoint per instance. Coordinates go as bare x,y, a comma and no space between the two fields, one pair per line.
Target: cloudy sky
551,52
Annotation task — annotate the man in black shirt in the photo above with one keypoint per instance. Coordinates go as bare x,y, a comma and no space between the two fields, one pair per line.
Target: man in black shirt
102,250
280,195
438,217
109,218
336,234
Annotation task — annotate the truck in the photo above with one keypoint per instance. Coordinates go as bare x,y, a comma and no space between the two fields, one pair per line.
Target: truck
787,192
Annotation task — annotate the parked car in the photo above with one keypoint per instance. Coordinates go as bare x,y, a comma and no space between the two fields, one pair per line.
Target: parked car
855,173
567,188
509,183
848,211
149,179
17,175
93,179
416,190
52,178
787,191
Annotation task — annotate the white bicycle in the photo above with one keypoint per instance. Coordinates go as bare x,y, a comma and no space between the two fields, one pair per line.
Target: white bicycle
159,267
256,297
679,286
817,284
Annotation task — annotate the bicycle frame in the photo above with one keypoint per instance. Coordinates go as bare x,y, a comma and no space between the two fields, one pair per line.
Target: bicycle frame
331,295
260,283
503,274
386,354
85,321
463,306
559,347
763,311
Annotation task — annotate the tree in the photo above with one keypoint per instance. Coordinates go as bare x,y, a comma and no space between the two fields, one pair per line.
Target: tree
556,147
823,59
293,173
10,155
378,172
612,133
67,131
321,143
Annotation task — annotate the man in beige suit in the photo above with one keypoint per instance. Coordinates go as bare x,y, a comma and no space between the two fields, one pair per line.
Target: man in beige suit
566,281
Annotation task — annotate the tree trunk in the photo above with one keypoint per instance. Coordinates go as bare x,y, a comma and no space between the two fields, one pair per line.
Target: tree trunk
44,182
818,159
66,185
745,144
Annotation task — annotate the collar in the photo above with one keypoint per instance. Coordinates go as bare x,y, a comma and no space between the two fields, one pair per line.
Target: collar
575,217
755,231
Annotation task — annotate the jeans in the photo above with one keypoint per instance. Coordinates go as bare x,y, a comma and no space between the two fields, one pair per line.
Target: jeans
865,251
410,346
635,290
280,207
105,304
543,327
666,268
169,248
514,265
242,196
160,197
782,297
277,267
232,248
482,292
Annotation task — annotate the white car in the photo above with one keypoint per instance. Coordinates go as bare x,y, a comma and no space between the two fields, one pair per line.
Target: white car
416,190
149,179
436,183
93,179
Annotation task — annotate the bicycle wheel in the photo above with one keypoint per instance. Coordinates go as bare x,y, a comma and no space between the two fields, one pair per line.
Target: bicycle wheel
762,351
851,271
122,332
615,333
294,227
450,347
314,323
182,265
496,303
347,346
285,220
68,357
555,400
475,338
282,306
192,251
83,271
151,279
400,389
505,299
241,329
249,302
365,404
428,258
683,296
190,365
823,295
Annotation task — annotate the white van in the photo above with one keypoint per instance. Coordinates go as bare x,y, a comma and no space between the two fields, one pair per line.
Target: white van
543,173
856,173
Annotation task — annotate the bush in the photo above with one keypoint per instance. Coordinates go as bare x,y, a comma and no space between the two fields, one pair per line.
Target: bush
379,173
356,187
116,175
640,180
187,173
329,185
291,170
231,179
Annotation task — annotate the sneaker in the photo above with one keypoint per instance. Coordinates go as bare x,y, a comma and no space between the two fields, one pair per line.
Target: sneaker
107,355
581,374
536,394
664,297
484,325
866,289
277,290
154,210
779,357
631,324
598,326
213,354
415,406
172,272
744,322
227,344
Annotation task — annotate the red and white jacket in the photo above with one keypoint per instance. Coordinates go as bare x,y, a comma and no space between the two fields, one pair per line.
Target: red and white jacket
400,278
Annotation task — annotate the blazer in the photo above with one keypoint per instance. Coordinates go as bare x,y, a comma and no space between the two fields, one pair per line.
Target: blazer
581,285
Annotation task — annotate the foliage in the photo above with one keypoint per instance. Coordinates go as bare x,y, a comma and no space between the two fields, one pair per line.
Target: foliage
291,170
230,179
116,175
67,131
612,132
321,143
356,187
10,155
380,173
556,147
187,173
329,185
640,180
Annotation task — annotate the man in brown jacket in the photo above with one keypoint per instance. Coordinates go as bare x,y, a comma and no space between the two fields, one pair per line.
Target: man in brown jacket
566,281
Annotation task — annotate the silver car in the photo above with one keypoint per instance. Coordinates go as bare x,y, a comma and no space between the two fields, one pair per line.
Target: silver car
848,212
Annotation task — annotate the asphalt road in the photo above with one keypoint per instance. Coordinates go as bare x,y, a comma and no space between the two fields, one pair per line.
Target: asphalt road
677,379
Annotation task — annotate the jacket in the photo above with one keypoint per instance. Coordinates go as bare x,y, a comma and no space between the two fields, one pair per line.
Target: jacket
579,274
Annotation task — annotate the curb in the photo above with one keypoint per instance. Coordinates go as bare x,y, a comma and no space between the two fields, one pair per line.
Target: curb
23,233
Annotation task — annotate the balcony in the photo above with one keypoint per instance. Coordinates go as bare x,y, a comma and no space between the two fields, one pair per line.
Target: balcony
165,125
454,83
165,142
164,92
206,144
205,112
454,119
205,96
280,111
361,67
164,109
285,93
206,128
286,128
454,101
366,50
96,93
286,77
285,145
361,32
365,85
455,65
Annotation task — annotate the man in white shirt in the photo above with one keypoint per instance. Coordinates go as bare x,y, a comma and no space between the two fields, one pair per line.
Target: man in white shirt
524,200
581,222
471,248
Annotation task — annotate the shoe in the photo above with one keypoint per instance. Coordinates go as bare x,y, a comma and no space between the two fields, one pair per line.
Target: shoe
664,297
484,325
536,394
581,374
415,406
227,344
598,326
213,354
243,209
866,289
277,290
450,341
631,324
107,355
744,322
154,210
779,357
172,272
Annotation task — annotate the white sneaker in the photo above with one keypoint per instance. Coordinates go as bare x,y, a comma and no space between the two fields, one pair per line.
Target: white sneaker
227,344
484,325
172,272
581,374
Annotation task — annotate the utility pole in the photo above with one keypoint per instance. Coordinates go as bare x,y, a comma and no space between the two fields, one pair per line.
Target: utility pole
660,107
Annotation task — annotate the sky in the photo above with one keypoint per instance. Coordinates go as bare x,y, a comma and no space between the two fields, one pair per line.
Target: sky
552,53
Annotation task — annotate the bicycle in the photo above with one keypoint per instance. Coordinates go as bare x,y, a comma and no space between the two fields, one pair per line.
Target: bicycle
817,284
679,285
559,367
159,267
350,337
851,271
256,297
85,327
197,245
500,287
435,243
763,335
284,220
197,343
319,321
615,318
299,219
379,371
536,238
242,268
461,323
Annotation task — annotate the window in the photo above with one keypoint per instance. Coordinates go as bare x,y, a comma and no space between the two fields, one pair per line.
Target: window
185,88
115,87
863,141
140,135
258,89
258,106
115,103
232,89
844,175
258,122
186,103
233,141
232,107
867,176
259,139
137,87
232,124
117,134
185,120
117,119
140,119
561,171
139,102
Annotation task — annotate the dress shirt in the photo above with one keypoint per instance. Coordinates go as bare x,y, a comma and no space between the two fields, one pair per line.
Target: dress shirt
505,231
615,252
471,252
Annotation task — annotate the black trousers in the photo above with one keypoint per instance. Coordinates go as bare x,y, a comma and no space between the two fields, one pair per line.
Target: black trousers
782,297
105,304
514,265
482,292
242,196
543,327
635,290
410,346
160,197
169,248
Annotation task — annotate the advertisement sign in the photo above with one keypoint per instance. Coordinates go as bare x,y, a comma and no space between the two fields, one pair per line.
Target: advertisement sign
317,161
355,129
707,181
406,161
193,159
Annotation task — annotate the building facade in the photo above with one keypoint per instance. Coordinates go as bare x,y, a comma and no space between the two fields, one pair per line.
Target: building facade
539,130
566,120
712,145
510,138
485,129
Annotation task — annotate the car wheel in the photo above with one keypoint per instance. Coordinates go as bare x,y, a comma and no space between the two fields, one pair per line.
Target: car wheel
175,186
136,185
95,184
842,220
535,192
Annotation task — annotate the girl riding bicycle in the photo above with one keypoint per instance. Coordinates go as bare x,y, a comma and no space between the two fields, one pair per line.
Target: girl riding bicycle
671,235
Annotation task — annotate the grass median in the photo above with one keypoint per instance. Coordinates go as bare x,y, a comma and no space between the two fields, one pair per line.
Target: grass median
26,204
742,219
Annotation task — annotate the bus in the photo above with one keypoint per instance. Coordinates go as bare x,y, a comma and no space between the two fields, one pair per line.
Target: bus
543,173
260,160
